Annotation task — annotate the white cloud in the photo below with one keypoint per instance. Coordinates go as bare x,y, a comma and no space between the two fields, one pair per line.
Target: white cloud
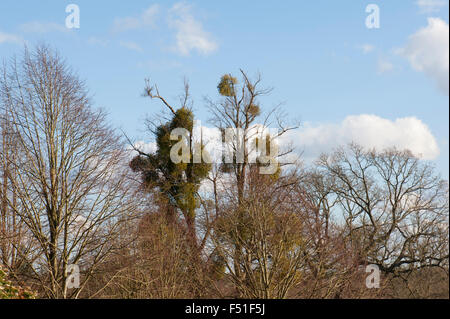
366,48
131,46
384,66
430,6
211,137
190,34
148,148
428,51
370,131
146,19
43,27
10,38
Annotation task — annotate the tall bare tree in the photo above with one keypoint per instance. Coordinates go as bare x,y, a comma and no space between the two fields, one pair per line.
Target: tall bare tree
70,184
239,109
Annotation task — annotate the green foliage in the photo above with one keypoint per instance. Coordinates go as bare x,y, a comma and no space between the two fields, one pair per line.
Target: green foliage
226,85
178,182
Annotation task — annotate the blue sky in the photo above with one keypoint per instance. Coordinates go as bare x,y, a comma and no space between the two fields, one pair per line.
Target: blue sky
344,81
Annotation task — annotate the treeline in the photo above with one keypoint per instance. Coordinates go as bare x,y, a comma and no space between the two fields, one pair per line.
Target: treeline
73,191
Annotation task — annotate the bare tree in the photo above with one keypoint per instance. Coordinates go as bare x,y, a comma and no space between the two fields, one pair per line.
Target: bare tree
394,208
267,226
70,185
239,110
